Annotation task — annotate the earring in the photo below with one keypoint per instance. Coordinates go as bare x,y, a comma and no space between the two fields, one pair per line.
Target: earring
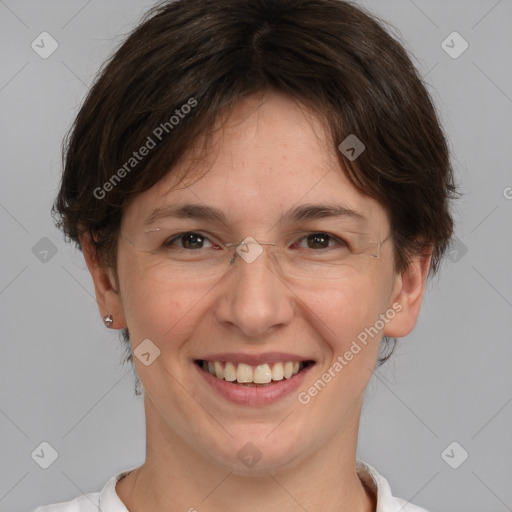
108,320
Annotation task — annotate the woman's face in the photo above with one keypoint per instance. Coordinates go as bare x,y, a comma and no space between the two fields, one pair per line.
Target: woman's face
268,162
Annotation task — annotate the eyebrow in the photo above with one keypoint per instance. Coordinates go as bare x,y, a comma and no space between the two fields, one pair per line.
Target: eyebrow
187,211
306,212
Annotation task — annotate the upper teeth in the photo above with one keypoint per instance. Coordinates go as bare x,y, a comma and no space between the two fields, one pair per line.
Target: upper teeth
246,374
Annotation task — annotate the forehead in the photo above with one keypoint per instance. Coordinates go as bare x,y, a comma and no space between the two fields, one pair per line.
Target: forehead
267,156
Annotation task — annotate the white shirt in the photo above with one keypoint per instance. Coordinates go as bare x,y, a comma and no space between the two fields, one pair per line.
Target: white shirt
107,499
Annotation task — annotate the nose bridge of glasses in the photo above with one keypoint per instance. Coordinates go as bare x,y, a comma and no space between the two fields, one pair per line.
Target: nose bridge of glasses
249,250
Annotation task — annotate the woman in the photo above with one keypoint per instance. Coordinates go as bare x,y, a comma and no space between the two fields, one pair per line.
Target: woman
260,189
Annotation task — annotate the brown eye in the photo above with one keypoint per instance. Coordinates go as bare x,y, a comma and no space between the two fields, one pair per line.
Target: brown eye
321,241
189,240
192,241
318,241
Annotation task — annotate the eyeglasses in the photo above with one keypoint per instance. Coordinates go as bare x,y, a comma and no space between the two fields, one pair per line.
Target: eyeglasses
191,255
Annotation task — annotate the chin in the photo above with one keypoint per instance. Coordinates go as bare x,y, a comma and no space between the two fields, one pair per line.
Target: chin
252,458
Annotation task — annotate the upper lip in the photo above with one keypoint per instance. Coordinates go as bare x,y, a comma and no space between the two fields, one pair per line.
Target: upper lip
254,359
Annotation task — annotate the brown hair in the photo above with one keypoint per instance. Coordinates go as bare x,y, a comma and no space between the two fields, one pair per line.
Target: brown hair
190,59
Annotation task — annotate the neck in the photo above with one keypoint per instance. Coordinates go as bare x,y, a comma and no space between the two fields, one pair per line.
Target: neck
176,477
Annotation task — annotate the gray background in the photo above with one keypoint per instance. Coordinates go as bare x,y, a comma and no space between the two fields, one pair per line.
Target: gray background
62,380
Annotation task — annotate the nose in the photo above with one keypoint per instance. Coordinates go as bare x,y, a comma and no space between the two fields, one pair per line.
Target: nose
255,301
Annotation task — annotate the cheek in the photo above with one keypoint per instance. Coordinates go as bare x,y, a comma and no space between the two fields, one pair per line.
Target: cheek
349,312
162,311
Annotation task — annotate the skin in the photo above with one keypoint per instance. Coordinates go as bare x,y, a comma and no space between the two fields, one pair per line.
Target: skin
268,157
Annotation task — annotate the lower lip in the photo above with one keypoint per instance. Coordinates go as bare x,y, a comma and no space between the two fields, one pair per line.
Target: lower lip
254,395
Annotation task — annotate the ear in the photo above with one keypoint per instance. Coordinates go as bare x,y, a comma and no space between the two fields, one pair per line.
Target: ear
408,296
107,294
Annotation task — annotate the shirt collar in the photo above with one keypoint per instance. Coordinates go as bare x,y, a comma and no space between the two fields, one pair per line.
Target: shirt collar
109,501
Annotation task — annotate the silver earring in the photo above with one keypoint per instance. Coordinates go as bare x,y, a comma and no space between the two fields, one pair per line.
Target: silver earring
108,320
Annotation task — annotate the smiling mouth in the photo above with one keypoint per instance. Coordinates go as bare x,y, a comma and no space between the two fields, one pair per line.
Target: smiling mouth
246,375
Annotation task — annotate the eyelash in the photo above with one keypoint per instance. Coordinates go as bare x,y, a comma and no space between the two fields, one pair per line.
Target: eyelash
170,241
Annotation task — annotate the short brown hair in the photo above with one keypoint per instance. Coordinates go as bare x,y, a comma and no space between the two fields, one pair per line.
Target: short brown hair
332,56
